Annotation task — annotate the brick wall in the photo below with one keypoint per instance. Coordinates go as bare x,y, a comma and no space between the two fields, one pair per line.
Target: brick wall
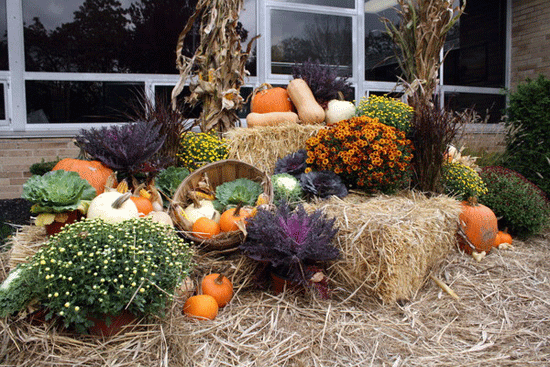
17,155
530,40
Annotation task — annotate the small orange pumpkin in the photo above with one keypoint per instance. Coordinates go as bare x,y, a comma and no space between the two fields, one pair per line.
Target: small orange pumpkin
502,237
143,205
205,227
219,287
230,218
95,172
267,99
479,225
201,306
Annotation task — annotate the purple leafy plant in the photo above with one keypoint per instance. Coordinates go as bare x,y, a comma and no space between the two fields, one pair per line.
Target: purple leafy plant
127,148
323,80
323,184
294,163
292,242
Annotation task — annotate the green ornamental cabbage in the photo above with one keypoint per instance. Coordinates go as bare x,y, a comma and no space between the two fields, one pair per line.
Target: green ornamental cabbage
57,192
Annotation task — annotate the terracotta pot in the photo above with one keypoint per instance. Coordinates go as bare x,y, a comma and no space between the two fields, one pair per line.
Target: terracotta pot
279,283
56,226
109,325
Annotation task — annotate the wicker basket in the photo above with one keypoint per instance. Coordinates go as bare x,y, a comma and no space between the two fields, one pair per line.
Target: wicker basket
217,173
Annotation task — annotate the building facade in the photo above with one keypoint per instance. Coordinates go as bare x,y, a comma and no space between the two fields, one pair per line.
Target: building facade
69,65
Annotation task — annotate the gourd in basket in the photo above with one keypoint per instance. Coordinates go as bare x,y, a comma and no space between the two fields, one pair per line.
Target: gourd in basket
202,185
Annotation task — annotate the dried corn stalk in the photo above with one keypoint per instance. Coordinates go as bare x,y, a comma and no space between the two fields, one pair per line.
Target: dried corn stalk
216,71
420,36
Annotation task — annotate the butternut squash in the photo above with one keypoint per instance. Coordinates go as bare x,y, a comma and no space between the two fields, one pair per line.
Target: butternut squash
270,118
309,111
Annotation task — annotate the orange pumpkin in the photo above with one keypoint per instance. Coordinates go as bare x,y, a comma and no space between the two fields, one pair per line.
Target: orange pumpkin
479,225
143,205
219,287
230,218
267,99
205,228
95,172
202,307
502,237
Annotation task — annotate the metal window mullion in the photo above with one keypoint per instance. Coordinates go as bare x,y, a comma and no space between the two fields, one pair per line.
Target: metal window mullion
16,60
359,50
308,8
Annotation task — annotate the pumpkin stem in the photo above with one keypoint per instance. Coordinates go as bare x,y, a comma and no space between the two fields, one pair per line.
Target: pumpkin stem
121,200
219,279
472,201
238,209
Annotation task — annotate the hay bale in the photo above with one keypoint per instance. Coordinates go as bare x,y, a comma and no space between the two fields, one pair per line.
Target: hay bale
261,146
498,321
25,243
389,243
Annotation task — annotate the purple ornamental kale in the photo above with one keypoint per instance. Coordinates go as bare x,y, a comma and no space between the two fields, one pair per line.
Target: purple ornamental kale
294,163
290,241
323,184
126,148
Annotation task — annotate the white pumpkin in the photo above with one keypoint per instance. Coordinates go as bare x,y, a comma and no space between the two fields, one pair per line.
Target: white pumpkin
112,207
205,208
338,110
160,217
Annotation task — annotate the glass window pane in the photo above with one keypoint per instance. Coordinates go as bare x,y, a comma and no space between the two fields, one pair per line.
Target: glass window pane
2,100
163,94
3,37
380,61
476,46
350,4
489,107
297,37
247,19
125,36
53,102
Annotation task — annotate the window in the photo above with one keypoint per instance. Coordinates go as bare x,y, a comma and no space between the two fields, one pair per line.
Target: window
489,107
105,36
86,61
337,3
3,37
2,103
476,46
380,61
297,37
54,102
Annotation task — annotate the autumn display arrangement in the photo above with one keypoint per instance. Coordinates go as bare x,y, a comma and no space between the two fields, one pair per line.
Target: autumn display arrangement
326,232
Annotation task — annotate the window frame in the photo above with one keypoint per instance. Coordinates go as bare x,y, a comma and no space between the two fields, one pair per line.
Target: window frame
15,124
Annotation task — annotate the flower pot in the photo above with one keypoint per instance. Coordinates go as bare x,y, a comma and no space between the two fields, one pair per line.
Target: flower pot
109,325
56,226
279,283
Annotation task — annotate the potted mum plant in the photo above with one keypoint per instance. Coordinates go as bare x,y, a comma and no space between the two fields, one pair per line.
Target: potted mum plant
292,243
93,274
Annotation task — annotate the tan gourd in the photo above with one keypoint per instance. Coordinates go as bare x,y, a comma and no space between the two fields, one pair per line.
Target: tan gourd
270,118
309,111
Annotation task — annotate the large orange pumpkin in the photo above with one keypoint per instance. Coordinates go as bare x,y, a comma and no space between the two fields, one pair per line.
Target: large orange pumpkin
479,225
270,99
95,172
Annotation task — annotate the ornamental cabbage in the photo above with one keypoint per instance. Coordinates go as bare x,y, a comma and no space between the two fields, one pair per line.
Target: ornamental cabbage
58,192
241,191
286,188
